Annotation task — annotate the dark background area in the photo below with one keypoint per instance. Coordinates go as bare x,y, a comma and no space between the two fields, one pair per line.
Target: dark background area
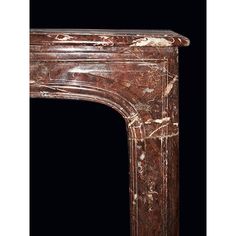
185,17
79,182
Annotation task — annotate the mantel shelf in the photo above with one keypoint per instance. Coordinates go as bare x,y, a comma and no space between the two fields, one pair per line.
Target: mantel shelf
132,38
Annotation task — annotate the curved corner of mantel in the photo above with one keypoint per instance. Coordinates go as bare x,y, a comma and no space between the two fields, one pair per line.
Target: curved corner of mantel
135,73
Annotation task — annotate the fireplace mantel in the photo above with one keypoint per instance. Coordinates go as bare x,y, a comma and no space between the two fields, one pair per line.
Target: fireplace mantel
136,73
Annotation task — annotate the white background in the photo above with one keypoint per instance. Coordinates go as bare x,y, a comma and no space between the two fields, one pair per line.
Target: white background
221,118
14,118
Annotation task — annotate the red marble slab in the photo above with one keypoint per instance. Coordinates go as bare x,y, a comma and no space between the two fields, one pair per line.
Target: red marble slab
136,73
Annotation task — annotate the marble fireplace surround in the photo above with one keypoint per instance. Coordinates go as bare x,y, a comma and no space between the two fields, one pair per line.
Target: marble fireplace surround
136,73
